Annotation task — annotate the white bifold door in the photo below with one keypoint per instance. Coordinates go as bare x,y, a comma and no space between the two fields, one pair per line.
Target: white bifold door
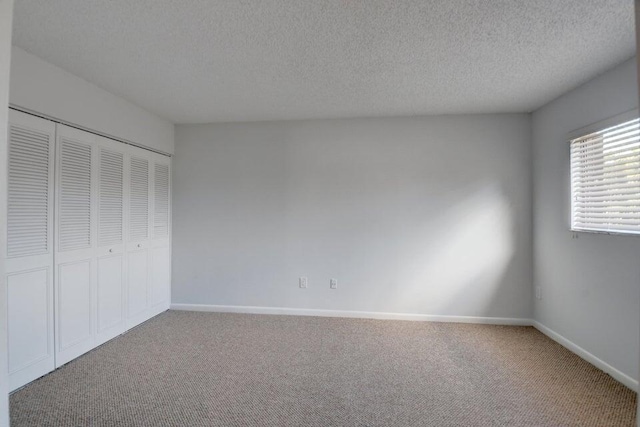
89,274
29,263
147,247
160,245
95,265
112,266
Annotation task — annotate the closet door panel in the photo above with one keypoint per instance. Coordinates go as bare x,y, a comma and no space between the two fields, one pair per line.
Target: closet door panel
110,250
110,197
138,233
110,293
30,325
137,279
28,218
138,199
160,271
29,261
74,305
160,276
161,198
28,318
76,266
75,198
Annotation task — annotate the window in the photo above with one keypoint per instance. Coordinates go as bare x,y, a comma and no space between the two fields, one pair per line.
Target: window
605,180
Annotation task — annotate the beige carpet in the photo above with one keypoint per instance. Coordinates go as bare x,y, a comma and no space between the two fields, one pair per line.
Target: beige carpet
204,369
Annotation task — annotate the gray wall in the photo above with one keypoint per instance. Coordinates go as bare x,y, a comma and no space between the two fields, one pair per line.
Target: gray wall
6,7
590,285
39,86
427,215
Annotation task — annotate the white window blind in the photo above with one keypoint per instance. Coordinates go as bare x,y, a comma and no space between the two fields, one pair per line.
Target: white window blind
605,180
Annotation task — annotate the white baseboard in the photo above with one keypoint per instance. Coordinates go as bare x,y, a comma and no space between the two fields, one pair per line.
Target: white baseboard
350,314
595,361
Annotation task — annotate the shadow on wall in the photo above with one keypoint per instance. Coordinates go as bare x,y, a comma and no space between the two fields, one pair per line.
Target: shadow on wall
463,256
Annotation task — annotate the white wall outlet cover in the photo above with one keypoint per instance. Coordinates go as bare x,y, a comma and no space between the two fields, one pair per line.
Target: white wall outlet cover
302,282
333,283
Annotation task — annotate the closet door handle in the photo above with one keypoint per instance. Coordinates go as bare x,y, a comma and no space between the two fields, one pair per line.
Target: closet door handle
111,250
139,245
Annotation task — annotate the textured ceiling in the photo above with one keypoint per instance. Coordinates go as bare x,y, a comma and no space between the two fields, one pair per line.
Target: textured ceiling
193,61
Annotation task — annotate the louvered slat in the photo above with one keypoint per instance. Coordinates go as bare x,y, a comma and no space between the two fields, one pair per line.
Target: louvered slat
110,209
139,199
28,192
605,180
75,196
161,201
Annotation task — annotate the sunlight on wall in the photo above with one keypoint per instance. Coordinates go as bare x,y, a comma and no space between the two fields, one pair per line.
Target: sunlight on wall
461,258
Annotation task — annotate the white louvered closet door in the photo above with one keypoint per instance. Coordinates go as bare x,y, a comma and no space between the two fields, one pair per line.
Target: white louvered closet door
110,296
76,235
160,248
29,263
88,242
138,235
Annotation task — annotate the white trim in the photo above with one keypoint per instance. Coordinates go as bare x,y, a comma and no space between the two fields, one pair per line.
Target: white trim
595,361
350,314
603,124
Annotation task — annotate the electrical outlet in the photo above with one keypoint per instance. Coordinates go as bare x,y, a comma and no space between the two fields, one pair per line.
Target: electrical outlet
333,284
538,292
303,282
